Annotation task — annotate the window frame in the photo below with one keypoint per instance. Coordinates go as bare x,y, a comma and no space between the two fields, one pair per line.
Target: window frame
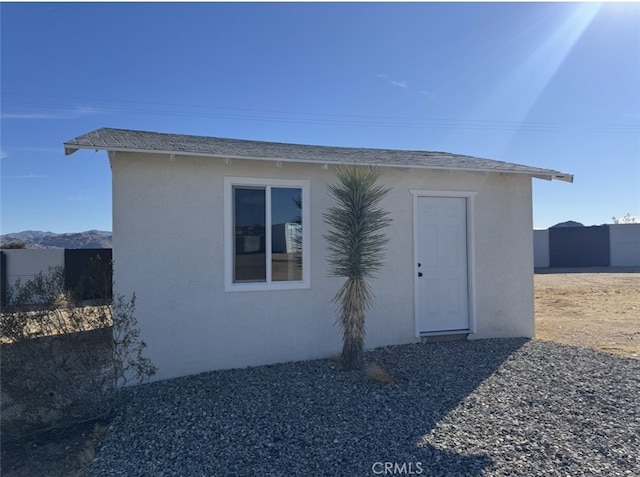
229,235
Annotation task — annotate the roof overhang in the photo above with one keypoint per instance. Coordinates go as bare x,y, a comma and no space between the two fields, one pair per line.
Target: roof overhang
116,141
546,175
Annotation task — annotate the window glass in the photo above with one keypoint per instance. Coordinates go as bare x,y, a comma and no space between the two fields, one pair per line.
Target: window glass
249,229
286,234
266,234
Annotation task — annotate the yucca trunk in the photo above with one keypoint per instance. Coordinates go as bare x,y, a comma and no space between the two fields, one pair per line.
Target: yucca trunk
353,298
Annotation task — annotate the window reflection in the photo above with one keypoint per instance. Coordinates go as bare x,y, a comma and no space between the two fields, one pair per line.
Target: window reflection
286,234
251,261
249,224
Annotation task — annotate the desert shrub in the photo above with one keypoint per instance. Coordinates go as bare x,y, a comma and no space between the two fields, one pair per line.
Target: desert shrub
379,375
17,245
65,360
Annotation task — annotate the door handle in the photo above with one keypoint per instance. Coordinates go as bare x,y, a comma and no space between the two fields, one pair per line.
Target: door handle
419,274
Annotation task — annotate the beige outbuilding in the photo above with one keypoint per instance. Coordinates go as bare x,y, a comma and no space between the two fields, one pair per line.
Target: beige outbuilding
222,241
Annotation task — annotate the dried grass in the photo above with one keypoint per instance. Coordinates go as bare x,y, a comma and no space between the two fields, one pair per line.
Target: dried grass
379,375
89,452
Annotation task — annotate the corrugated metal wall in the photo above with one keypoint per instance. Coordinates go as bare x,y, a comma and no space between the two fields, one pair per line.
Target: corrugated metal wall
579,247
599,246
88,272
625,245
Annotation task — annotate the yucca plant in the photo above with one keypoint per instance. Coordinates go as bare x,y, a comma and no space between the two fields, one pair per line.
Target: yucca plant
356,250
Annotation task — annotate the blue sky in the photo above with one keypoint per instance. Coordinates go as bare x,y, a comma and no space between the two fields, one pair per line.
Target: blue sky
554,85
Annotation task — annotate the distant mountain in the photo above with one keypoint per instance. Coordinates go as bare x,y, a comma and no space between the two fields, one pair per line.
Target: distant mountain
39,239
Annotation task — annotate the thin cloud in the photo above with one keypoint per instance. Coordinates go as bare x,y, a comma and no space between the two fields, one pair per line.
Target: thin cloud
3,154
427,94
30,116
82,110
27,176
74,113
399,83
76,198
47,150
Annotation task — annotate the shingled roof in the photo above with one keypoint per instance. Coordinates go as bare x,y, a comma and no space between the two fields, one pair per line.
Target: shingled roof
180,144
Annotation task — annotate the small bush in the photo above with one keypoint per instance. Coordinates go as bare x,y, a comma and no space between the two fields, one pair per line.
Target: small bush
65,361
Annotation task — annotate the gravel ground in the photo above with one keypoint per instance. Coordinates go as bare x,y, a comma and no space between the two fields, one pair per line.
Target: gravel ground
489,407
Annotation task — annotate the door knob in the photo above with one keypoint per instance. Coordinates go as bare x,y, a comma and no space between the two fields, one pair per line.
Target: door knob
419,274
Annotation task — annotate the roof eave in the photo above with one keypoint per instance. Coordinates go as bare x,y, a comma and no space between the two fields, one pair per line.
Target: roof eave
564,177
551,175
555,176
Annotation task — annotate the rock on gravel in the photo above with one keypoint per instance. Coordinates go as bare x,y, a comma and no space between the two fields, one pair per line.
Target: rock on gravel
489,407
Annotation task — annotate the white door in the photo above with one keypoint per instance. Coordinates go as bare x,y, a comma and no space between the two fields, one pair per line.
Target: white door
442,270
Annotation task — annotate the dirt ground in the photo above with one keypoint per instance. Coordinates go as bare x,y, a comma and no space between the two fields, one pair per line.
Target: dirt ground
595,308
588,307
56,453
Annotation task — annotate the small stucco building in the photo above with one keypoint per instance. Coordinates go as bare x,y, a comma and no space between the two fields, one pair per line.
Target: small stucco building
222,241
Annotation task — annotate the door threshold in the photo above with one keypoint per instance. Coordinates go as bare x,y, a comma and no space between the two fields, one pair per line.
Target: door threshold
452,335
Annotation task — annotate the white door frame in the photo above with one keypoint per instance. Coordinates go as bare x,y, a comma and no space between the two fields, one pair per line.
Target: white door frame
471,258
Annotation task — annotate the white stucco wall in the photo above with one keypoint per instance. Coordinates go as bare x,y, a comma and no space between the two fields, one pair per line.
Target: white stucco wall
504,262
168,246
541,257
24,264
624,240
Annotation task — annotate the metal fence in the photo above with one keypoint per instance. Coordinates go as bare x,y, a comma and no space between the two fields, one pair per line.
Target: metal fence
88,272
